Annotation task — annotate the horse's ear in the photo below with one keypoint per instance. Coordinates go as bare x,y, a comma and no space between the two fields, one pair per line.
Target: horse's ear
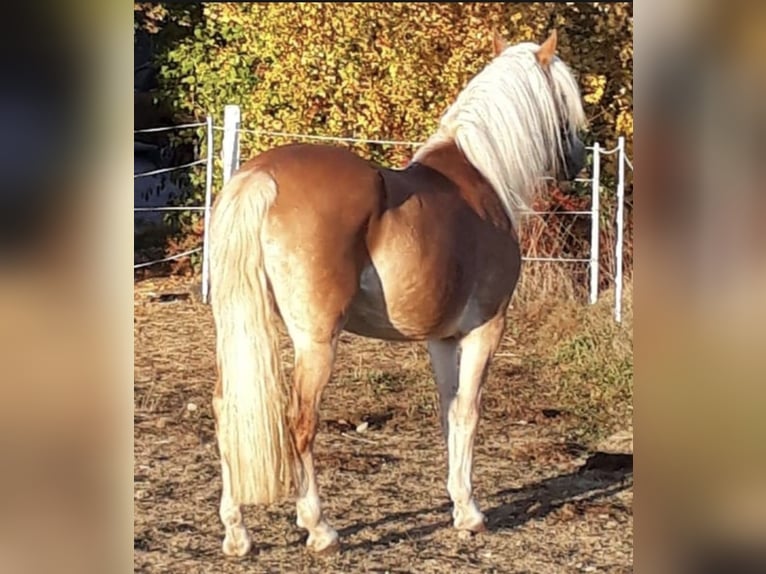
498,42
547,50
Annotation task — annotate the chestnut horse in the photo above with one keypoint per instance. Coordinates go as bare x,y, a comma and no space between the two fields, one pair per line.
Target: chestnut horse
328,241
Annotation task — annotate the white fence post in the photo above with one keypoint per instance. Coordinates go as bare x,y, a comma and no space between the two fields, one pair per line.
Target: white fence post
594,224
620,224
208,199
231,118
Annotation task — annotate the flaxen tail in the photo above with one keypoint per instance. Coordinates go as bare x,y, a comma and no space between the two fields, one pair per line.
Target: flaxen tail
252,431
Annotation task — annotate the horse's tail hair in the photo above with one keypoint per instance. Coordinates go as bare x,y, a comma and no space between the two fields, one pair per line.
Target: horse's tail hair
253,436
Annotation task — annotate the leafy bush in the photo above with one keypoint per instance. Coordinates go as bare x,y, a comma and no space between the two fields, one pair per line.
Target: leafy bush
375,70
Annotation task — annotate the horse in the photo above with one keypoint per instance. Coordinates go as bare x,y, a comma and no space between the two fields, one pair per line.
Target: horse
324,241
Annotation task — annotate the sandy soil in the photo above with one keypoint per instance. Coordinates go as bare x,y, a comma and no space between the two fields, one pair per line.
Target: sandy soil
552,507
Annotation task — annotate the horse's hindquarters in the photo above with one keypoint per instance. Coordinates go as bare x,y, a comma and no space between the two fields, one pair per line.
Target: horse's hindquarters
389,255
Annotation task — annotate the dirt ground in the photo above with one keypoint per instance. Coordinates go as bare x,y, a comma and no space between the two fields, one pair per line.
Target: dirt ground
552,507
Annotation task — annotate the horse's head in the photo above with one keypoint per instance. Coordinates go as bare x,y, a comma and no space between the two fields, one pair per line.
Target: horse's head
573,157
570,117
518,122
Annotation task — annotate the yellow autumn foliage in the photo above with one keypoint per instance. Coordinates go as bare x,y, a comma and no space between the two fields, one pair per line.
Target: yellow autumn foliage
383,70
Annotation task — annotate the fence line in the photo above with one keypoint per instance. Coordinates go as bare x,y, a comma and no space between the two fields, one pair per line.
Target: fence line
328,138
233,129
169,169
207,161
530,212
595,235
557,259
577,179
165,259
208,203
620,224
170,208
168,128
352,139
615,149
230,153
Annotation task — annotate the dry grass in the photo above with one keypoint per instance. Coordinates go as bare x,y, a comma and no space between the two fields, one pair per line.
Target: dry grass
581,355
563,372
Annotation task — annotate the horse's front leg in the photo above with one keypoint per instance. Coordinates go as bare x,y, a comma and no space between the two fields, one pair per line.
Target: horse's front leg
444,362
476,351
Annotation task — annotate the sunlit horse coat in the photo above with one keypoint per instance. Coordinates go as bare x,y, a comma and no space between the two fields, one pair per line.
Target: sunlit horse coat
329,241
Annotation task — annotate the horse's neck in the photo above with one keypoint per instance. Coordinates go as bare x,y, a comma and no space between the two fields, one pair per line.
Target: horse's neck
449,161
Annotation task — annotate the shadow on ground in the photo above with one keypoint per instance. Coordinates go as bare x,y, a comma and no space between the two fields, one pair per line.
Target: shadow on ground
513,507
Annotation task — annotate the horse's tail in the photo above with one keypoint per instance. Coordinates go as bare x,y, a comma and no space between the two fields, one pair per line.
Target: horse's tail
252,432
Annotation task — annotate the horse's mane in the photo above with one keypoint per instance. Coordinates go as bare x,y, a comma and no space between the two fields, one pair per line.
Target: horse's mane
506,121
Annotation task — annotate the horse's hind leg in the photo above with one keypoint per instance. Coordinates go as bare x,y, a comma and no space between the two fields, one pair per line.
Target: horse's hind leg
313,368
312,289
476,351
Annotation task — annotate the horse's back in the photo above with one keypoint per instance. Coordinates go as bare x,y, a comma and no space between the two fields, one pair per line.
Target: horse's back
322,178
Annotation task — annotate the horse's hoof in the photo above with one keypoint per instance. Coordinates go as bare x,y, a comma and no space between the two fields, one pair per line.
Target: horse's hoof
333,548
236,545
473,523
324,543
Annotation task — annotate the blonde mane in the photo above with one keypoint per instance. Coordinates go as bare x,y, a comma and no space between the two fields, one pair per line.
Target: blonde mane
506,121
